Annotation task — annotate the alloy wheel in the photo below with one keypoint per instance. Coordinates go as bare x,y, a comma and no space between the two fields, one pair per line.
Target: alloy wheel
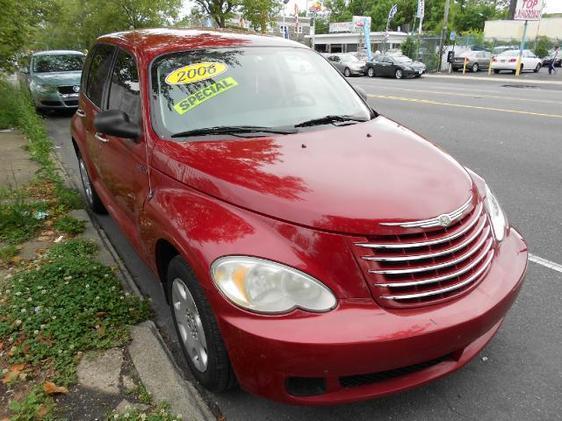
371,72
189,325
398,74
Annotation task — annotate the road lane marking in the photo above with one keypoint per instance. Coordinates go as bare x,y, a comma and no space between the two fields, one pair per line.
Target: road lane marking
474,96
546,263
452,104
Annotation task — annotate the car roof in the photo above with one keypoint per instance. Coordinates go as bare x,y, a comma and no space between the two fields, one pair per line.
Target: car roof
57,52
154,42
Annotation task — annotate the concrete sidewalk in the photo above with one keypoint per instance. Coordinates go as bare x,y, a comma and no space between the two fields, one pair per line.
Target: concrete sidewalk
16,168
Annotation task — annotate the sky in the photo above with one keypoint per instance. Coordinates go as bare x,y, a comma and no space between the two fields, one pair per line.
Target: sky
552,6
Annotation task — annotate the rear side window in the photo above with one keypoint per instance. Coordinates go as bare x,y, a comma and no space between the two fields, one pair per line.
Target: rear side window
98,71
124,92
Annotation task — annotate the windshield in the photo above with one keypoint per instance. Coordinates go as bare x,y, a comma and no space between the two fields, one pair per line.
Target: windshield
402,59
256,86
58,63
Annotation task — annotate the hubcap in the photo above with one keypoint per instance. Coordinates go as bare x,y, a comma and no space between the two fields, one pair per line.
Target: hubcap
189,325
86,181
399,74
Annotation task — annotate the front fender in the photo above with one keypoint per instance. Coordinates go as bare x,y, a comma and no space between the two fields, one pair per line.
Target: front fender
203,228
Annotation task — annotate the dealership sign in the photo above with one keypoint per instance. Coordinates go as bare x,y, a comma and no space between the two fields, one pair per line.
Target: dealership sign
528,10
341,27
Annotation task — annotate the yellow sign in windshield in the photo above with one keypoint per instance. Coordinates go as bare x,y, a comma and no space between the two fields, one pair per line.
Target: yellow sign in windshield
199,97
195,73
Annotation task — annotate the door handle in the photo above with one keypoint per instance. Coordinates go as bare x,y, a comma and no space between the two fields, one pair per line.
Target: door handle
80,113
101,138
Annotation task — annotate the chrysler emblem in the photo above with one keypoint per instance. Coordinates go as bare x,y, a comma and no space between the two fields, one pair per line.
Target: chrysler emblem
76,88
444,220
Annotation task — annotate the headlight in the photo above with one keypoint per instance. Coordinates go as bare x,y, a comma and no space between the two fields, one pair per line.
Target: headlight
267,287
497,217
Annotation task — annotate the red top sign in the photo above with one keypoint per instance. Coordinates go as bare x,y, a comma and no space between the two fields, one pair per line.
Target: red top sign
528,10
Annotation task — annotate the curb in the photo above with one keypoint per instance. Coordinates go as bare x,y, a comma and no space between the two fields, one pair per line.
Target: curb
187,399
494,79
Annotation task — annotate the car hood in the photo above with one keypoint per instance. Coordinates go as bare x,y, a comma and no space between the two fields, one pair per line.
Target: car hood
58,78
342,179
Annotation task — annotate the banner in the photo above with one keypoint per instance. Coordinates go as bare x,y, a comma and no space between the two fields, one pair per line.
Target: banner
528,10
393,11
421,7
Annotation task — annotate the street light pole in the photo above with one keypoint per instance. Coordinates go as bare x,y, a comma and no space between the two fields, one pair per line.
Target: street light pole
443,33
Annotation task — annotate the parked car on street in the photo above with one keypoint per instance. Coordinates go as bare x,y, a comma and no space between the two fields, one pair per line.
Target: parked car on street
475,61
508,61
311,249
548,59
395,65
53,79
348,64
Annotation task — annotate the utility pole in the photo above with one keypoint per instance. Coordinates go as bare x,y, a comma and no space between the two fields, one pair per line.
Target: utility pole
443,33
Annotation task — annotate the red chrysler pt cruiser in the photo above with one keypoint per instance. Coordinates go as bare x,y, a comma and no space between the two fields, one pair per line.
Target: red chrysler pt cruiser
311,250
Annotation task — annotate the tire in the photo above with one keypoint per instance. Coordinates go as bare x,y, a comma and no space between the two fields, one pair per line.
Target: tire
346,72
196,326
475,68
496,71
92,198
398,74
537,68
371,72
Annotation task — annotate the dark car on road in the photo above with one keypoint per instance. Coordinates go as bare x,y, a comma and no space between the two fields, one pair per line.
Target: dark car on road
53,79
548,59
396,66
311,249
475,61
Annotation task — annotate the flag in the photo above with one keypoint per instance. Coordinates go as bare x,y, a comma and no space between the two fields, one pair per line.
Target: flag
421,7
392,11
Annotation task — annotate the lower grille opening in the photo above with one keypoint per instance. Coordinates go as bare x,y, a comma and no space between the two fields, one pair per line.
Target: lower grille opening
51,103
306,386
71,103
370,378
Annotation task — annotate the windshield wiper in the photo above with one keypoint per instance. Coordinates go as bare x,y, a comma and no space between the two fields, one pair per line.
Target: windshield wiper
329,119
234,130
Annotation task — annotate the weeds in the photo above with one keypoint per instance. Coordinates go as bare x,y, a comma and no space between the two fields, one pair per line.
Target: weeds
68,304
160,413
70,225
35,405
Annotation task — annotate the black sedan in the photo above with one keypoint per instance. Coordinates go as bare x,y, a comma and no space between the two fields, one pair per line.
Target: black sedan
547,60
397,66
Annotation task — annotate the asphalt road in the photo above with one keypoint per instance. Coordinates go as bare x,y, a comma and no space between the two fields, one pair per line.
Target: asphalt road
513,138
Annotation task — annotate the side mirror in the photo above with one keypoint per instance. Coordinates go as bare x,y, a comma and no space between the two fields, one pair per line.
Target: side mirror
116,123
24,70
361,92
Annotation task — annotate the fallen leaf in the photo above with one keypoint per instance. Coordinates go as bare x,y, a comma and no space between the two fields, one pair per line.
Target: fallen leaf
52,389
13,373
16,259
42,411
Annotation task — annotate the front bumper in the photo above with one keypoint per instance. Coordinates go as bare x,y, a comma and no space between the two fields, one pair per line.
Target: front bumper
55,100
360,351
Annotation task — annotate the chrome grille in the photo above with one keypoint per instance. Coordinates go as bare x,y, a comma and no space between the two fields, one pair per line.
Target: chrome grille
436,264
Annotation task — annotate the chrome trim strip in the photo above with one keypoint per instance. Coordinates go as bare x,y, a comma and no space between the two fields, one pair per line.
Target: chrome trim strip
438,278
465,243
438,266
431,222
467,281
477,213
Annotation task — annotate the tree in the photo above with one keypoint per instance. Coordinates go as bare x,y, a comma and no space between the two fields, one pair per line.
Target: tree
338,11
409,47
219,10
260,13
542,46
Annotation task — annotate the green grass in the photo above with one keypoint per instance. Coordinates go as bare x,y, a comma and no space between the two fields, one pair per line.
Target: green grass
17,222
34,405
70,303
159,413
70,225
9,105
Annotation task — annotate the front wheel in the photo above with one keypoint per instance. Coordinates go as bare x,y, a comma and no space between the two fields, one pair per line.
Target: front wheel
496,71
537,68
371,72
398,74
197,329
475,68
92,198
347,72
